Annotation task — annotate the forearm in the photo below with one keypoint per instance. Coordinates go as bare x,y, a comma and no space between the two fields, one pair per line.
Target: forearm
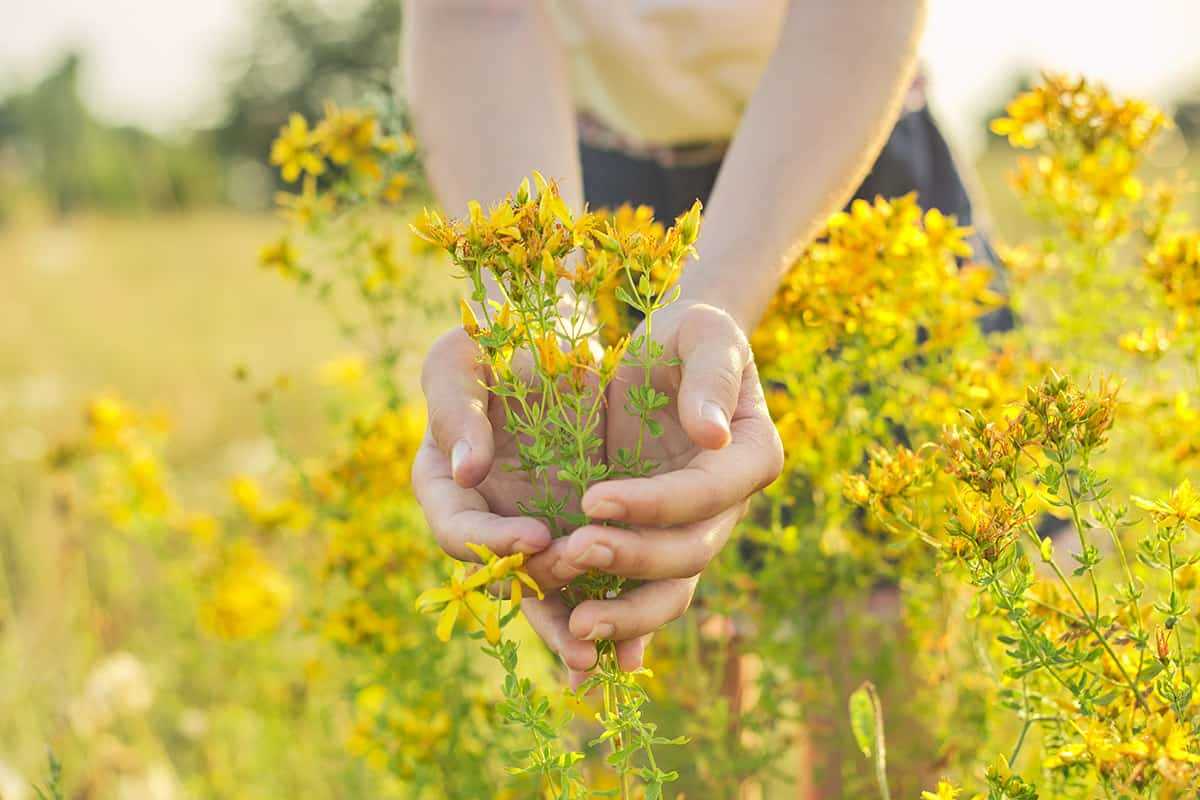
487,86
820,116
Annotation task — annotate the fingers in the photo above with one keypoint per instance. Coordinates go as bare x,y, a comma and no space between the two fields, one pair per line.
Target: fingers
715,354
549,619
635,613
551,568
456,396
643,553
631,654
713,481
458,516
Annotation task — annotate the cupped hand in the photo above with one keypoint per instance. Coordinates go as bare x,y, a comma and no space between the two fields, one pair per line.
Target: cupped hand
717,449
465,480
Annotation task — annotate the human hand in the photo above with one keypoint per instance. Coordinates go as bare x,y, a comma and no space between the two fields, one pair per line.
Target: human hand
465,481
459,476
718,448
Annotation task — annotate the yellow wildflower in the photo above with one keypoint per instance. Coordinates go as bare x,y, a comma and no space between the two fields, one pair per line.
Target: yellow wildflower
394,189
464,592
945,791
307,206
1151,342
1180,508
282,257
293,150
550,355
351,138
249,596
470,322
1177,746
430,227
109,419
347,371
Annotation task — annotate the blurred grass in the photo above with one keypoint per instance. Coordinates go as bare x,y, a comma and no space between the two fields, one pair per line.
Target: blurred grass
159,309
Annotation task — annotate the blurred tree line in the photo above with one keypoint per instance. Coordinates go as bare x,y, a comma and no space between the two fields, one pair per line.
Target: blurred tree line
51,145
299,54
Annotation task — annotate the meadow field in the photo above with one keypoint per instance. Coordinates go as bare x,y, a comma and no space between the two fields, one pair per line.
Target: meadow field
170,324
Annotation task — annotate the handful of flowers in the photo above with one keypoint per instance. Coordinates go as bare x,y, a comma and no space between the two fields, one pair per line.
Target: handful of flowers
536,272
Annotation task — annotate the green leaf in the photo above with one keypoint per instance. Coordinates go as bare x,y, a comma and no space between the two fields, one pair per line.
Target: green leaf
862,718
625,297
866,722
1150,672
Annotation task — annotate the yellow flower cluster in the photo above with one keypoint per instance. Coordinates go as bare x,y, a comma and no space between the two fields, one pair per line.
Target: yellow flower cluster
1174,265
378,460
249,596
881,272
876,322
527,241
891,475
1077,110
346,138
385,732
282,258
532,246
363,626
286,514
1091,144
945,791
124,446
1151,342
984,454
244,594
1139,735
365,550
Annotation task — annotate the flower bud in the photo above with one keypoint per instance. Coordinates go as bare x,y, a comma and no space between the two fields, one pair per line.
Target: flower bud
688,225
470,322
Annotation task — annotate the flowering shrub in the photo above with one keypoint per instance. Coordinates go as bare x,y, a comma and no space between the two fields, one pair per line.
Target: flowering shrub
974,520
1093,656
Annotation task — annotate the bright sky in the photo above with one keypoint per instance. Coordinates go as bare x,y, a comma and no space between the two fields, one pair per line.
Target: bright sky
153,61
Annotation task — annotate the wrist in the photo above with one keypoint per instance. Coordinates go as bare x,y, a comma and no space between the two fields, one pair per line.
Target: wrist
711,290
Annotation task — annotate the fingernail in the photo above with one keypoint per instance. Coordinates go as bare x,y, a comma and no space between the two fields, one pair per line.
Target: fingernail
603,630
713,413
459,456
607,509
597,556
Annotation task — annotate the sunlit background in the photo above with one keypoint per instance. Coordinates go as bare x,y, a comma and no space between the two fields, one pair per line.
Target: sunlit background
168,65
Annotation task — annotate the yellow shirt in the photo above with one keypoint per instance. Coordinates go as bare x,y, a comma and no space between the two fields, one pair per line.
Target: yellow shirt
667,72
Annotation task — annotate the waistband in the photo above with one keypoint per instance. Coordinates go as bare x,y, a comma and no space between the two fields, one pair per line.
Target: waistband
595,133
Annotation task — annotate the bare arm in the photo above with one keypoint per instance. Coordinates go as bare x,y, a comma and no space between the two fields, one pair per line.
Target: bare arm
487,84
820,116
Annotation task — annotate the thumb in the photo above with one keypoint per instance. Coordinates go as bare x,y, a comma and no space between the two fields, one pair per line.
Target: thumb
714,354
457,399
